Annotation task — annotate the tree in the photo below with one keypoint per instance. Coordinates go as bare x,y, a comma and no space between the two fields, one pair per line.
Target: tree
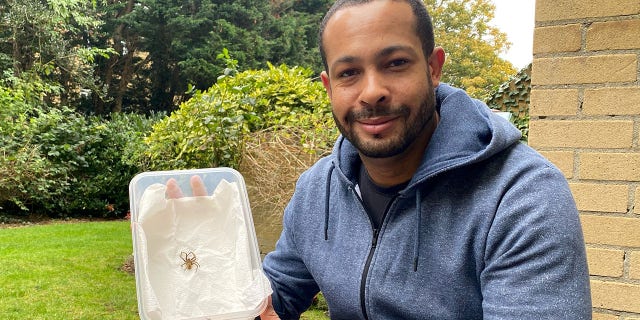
117,72
165,46
298,21
473,46
50,41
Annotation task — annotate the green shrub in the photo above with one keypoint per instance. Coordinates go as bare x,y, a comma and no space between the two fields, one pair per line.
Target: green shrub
513,97
57,162
91,154
119,161
24,171
61,163
67,164
209,129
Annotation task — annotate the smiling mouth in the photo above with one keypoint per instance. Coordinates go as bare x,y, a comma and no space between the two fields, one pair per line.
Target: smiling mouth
377,125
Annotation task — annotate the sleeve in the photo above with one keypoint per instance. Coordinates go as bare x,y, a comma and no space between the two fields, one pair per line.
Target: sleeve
535,260
292,284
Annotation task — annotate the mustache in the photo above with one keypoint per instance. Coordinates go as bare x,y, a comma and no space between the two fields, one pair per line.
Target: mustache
378,111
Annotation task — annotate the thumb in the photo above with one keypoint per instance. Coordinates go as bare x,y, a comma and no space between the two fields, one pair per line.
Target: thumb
269,313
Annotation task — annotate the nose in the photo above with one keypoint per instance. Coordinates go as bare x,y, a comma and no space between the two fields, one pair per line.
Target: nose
374,90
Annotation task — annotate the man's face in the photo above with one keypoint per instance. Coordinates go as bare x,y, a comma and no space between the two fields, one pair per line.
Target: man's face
378,80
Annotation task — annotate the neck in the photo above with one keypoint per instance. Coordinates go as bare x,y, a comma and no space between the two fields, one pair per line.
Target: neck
392,171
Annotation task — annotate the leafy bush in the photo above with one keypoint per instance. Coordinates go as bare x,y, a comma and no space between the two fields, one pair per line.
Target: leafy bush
209,129
23,169
513,97
90,153
24,172
64,163
59,162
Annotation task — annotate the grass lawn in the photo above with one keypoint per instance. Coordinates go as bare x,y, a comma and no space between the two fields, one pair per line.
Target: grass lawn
70,271
66,271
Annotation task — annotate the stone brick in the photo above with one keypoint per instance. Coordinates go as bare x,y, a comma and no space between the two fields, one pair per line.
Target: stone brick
585,69
611,101
637,203
563,38
589,197
612,35
562,159
605,262
547,10
634,265
603,316
557,102
581,134
610,166
615,296
611,230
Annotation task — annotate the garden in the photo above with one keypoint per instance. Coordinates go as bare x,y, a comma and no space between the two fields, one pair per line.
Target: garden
86,104
76,262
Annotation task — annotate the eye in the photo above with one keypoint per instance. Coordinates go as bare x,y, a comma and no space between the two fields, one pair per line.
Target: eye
347,73
398,62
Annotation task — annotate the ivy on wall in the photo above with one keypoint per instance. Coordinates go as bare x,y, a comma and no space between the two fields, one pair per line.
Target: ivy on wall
513,97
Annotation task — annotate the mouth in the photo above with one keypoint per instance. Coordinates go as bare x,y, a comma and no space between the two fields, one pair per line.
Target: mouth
376,125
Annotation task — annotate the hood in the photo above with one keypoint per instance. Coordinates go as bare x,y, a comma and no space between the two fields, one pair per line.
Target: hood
468,132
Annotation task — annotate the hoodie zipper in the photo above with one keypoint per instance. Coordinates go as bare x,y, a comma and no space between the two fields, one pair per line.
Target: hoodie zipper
374,242
374,245
363,281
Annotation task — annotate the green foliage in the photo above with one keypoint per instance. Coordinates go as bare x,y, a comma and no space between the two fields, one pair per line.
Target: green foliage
60,161
50,41
472,45
25,92
88,152
209,129
23,168
513,96
23,172
179,40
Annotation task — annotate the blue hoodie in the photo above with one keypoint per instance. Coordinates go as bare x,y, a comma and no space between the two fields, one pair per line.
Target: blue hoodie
486,229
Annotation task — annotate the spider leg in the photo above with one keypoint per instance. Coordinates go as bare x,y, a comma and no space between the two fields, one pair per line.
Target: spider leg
189,260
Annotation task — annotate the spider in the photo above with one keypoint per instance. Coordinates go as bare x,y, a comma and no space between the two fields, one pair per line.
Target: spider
189,260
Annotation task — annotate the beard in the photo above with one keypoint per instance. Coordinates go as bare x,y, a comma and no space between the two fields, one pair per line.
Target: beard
378,146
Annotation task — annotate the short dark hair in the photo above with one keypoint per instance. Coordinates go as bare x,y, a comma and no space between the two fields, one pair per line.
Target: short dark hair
424,26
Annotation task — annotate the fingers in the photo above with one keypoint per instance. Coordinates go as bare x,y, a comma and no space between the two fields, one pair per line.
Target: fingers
269,313
173,190
198,187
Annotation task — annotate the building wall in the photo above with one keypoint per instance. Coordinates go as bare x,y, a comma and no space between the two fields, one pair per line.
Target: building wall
585,117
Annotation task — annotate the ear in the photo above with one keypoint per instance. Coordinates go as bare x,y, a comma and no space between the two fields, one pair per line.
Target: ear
326,83
436,61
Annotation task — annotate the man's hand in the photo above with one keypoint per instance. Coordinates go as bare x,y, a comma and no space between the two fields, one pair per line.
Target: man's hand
269,313
197,186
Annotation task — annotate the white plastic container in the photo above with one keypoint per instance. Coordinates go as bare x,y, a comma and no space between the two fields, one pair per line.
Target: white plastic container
196,256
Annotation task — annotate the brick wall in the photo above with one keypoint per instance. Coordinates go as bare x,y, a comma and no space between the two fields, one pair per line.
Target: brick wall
585,117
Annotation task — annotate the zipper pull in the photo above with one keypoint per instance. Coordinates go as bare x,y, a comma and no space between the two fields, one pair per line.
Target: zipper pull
374,242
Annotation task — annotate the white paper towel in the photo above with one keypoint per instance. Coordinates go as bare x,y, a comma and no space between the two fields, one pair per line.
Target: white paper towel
226,283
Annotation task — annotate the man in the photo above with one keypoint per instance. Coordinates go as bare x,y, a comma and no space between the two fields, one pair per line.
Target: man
428,206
